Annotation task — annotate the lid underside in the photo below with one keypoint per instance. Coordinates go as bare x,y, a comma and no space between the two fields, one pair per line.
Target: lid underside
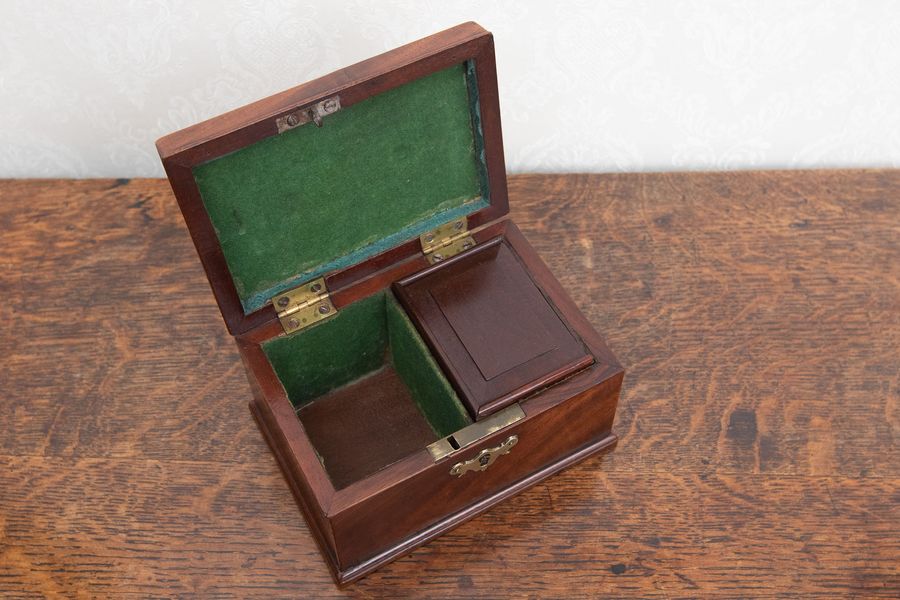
313,200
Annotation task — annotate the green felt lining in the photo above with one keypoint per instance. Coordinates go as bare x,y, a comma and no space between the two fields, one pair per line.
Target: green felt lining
363,337
312,200
417,368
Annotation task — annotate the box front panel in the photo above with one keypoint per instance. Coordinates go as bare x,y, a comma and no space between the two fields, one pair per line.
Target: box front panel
390,517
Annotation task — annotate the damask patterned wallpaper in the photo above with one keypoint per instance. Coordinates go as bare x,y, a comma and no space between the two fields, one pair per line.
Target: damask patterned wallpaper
87,87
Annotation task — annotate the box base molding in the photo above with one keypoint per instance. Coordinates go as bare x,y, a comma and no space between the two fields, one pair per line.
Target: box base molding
349,575
352,574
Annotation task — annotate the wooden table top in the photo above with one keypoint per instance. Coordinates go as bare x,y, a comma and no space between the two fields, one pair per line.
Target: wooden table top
757,315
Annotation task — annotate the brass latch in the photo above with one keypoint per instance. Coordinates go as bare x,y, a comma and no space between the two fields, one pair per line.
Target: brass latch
309,114
477,431
447,240
303,306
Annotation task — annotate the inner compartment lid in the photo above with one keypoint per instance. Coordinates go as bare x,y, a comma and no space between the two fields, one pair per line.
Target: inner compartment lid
334,172
496,333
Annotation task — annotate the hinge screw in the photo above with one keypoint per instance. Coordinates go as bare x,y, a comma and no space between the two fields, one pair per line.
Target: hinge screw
315,288
283,301
293,323
293,120
324,309
458,225
429,237
437,256
329,106
467,244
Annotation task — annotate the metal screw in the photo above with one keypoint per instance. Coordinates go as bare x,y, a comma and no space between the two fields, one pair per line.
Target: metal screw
329,106
458,225
293,120
283,301
324,309
315,288
467,244
429,237
437,256
294,323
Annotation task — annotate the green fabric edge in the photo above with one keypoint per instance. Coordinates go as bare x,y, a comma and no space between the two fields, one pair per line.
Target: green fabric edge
412,360
478,132
259,299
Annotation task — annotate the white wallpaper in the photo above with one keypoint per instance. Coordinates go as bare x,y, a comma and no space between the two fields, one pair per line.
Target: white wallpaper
87,87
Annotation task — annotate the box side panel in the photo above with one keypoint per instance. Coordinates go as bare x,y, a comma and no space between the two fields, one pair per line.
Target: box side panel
276,419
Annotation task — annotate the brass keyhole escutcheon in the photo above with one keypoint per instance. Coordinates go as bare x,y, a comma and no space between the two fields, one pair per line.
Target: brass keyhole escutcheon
485,458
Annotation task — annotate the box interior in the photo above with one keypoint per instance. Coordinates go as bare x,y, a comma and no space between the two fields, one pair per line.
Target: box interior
366,388
313,200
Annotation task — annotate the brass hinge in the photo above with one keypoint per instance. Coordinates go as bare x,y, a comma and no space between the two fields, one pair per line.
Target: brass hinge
303,306
447,240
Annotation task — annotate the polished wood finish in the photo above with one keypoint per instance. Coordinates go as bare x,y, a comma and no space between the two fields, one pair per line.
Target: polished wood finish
183,150
356,481
491,327
756,312
362,524
360,427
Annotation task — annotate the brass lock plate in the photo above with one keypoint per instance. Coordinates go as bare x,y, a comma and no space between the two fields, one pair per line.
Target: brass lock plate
472,434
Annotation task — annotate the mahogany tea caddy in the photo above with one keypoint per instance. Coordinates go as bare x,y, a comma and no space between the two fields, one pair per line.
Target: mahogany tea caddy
412,360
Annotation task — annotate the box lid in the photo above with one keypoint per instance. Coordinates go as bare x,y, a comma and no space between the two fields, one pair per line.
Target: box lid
328,175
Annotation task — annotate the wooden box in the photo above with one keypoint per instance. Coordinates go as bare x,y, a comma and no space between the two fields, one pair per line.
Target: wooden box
412,360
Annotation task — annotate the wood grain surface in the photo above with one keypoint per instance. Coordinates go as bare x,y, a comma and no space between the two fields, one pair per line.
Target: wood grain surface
757,315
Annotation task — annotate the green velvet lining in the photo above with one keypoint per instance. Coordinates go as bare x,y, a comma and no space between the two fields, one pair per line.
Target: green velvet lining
315,199
362,338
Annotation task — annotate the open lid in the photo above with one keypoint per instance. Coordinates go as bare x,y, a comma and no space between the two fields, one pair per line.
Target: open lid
331,173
